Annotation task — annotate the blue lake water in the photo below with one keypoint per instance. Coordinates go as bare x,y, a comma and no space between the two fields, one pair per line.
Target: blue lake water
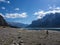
57,29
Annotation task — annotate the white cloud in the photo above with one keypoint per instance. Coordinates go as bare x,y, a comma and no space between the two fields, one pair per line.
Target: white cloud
3,8
16,15
50,7
4,1
8,1
42,13
17,9
54,7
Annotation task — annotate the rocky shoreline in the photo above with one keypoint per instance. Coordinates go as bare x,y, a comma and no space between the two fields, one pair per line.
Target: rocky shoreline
14,36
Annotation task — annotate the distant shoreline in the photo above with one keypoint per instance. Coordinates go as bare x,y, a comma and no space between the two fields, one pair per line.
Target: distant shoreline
57,29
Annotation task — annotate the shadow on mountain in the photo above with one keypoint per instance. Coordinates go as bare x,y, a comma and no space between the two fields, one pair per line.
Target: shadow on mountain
49,21
3,22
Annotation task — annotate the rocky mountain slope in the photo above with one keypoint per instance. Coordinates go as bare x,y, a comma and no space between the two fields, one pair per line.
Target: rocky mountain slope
2,21
50,20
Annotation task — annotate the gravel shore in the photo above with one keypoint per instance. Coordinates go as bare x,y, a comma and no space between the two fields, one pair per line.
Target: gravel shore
11,36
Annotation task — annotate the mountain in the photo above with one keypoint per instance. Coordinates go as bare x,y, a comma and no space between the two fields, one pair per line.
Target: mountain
48,21
17,25
3,22
10,24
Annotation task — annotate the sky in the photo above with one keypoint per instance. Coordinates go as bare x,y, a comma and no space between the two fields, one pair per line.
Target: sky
25,11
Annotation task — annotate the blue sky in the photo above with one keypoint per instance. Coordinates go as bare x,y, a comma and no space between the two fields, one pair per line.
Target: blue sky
25,11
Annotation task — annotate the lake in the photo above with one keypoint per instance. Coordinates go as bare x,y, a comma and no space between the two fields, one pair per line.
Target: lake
57,29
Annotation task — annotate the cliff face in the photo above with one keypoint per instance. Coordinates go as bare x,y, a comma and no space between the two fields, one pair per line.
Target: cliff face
50,20
2,21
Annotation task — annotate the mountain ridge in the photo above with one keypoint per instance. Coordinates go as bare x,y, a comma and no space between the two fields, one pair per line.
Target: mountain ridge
49,20
18,25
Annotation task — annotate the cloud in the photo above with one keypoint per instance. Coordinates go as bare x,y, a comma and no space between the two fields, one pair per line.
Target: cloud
8,1
5,1
53,7
2,0
3,8
16,15
42,13
17,9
